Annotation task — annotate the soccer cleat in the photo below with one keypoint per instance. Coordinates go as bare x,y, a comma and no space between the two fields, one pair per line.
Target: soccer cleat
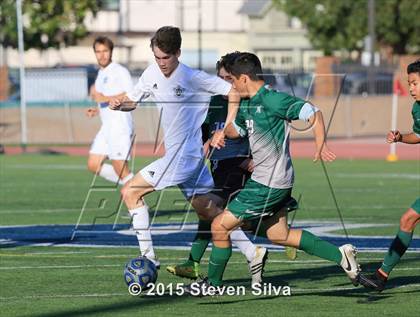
187,269
349,263
202,288
291,253
256,266
375,281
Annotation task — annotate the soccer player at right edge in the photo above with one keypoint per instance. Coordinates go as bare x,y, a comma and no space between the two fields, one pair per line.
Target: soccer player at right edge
411,217
264,115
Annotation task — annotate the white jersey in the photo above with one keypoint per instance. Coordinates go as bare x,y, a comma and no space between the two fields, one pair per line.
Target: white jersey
113,80
182,100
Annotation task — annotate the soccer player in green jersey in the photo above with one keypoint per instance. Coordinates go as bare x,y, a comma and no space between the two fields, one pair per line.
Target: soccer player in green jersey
231,167
264,115
411,217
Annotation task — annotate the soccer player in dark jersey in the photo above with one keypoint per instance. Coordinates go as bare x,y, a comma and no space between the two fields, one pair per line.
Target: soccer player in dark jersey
411,217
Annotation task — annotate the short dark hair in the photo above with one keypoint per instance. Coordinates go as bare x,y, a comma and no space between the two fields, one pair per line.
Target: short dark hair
246,64
226,61
167,39
414,67
104,41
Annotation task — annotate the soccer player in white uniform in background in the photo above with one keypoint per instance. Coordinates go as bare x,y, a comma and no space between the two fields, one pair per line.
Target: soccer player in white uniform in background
182,96
114,139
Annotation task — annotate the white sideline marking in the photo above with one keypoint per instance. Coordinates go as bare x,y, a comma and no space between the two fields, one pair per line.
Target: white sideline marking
9,211
331,289
378,175
171,261
297,290
63,296
49,166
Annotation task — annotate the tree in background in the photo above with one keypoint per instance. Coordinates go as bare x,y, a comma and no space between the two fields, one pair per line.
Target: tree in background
335,25
398,25
47,23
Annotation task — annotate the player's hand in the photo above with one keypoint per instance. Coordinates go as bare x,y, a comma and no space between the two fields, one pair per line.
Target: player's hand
247,165
92,111
218,139
324,154
115,103
393,136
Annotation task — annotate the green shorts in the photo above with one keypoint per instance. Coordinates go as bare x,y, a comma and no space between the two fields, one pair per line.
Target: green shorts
256,200
416,205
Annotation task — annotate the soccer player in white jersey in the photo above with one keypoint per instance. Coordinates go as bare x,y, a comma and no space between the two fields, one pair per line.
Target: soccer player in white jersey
182,94
114,139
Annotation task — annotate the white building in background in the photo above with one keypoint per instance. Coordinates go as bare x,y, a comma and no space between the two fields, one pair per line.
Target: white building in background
226,25
130,23
279,40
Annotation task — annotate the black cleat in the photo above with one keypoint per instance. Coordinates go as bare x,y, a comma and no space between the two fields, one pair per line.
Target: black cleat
375,281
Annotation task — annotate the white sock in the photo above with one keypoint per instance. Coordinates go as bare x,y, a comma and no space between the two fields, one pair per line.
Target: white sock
141,226
107,172
126,179
241,241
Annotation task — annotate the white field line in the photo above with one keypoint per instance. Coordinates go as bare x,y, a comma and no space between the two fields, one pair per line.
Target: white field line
187,248
88,266
48,166
293,290
353,207
378,175
27,211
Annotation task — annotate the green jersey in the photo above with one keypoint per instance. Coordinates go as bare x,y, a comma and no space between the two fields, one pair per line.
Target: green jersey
216,118
416,118
265,118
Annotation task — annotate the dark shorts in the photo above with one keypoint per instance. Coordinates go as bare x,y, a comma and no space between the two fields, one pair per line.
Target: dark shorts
416,205
228,177
256,201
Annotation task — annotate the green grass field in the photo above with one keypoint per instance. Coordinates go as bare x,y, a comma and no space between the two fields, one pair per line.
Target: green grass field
87,281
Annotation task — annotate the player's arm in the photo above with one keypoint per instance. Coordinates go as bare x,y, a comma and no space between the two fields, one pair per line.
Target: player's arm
396,136
99,97
122,103
299,109
229,131
130,100
322,151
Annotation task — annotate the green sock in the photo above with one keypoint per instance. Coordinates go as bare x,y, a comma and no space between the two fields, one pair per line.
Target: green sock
396,250
201,241
311,244
218,259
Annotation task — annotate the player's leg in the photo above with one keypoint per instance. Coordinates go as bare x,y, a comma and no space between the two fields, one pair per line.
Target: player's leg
122,170
98,153
132,194
399,245
277,230
221,228
207,206
120,143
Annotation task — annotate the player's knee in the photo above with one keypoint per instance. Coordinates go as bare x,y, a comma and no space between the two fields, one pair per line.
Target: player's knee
278,236
409,220
93,167
218,231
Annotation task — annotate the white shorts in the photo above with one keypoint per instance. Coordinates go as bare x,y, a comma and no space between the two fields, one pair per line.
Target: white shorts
190,174
116,145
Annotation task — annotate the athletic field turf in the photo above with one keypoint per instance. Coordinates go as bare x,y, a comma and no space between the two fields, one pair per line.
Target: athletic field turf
45,273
